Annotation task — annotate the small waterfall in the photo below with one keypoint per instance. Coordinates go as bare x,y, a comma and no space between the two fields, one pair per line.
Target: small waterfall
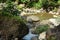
29,35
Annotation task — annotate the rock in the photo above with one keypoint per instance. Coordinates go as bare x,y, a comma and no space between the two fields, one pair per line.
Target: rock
16,39
34,38
22,5
58,11
50,32
53,31
33,21
52,12
33,11
33,18
53,21
44,22
55,16
42,36
29,25
12,28
22,14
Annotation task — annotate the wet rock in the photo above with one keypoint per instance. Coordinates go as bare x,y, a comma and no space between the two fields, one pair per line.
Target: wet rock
34,38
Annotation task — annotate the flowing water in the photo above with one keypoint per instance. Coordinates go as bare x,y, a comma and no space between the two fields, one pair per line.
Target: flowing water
29,35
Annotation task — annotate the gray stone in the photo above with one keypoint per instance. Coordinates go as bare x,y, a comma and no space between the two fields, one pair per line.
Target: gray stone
58,10
34,38
33,18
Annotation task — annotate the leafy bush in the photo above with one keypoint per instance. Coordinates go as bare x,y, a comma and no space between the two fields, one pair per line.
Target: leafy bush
10,9
43,3
58,2
37,5
3,1
24,1
41,29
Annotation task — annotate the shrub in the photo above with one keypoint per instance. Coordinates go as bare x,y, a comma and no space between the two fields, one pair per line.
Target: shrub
58,2
10,9
41,29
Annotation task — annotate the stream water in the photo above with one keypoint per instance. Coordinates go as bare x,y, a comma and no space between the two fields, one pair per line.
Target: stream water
29,35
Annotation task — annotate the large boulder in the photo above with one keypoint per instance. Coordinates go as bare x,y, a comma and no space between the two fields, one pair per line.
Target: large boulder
10,28
33,22
33,18
34,38
42,36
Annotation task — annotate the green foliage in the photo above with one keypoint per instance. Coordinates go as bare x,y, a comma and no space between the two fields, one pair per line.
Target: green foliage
10,9
41,29
3,1
53,3
58,2
43,3
37,5
30,4
24,1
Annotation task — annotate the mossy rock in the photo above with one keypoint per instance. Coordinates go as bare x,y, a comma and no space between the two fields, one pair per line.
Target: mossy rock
11,27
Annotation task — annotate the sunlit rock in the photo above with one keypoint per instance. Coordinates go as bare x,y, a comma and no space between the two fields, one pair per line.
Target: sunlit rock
33,18
55,16
42,36
23,13
54,21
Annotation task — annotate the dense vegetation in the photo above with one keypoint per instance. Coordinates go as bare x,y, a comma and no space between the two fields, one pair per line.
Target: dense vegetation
37,3
11,24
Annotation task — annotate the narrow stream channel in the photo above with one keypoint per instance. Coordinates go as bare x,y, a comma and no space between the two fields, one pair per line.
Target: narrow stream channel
29,35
